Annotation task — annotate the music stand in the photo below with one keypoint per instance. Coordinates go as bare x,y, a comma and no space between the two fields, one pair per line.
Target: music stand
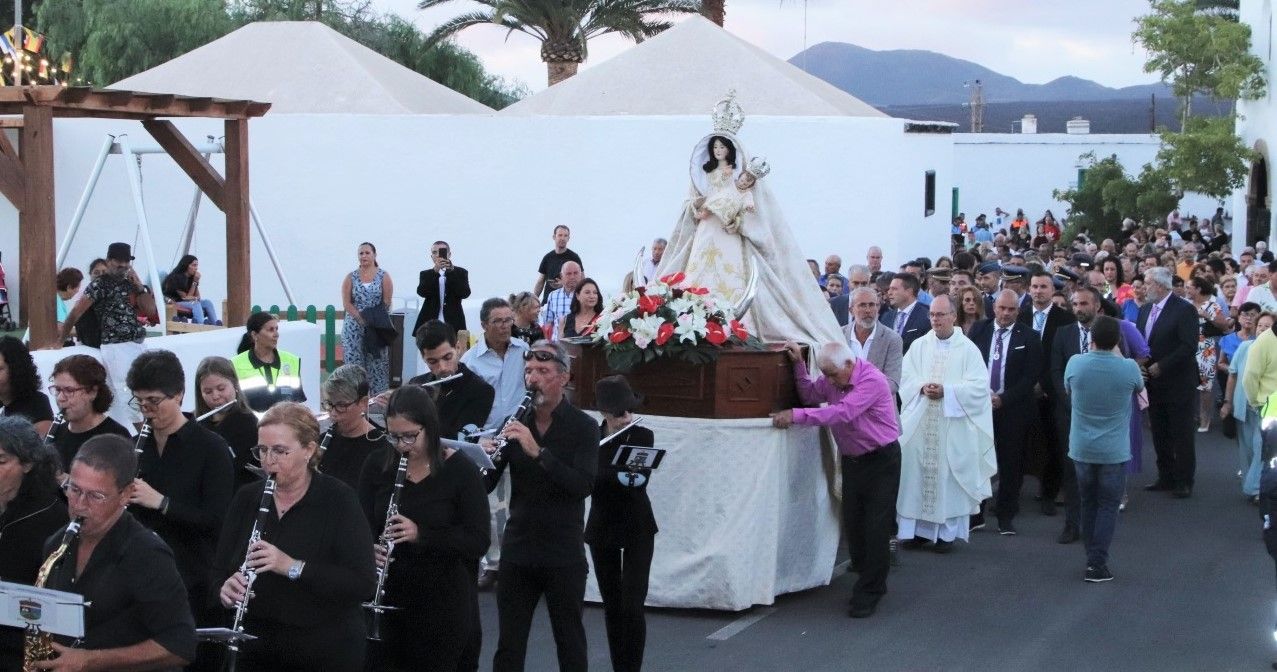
52,611
633,458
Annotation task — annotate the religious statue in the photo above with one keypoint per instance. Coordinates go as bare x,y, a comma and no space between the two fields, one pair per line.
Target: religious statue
731,238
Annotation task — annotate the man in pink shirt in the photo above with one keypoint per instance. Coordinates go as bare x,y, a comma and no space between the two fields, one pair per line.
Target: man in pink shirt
860,410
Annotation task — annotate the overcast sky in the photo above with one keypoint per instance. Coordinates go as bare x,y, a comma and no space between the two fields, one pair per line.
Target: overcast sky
1034,41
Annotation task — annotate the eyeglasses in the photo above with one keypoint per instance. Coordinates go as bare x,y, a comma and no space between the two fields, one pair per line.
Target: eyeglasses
405,439
498,321
330,406
68,391
541,356
75,492
274,451
137,403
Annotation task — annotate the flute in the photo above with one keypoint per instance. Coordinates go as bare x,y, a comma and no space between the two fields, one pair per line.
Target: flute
392,510
637,419
250,574
217,410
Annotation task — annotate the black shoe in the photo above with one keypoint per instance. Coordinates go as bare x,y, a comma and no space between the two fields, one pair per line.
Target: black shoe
1097,575
1182,492
943,547
913,544
1158,486
1048,506
862,610
977,522
1068,535
487,579
1006,529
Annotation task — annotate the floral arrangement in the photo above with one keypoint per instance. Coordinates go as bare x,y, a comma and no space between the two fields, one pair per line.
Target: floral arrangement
667,319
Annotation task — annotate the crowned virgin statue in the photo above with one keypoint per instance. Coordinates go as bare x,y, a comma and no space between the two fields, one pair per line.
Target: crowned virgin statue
731,238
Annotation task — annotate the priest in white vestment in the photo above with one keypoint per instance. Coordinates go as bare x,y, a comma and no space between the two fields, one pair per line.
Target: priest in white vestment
946,442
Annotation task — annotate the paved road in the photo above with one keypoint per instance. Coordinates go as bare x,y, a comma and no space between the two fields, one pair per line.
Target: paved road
1194,591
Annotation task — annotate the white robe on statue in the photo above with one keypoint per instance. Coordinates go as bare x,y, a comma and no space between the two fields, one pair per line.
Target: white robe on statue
946,445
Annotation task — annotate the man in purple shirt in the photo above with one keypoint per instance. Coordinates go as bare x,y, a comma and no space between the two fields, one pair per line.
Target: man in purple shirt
860,411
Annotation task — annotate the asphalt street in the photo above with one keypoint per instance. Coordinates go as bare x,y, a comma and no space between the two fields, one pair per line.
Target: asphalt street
1194,590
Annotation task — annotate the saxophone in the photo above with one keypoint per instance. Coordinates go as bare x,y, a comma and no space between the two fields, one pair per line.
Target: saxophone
375,606
39,644
250,574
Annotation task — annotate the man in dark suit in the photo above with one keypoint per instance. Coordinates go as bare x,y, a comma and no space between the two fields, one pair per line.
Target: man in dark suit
1071,339
443,287
909,318
1170,325
1045,318
1013,354
857,277
988,275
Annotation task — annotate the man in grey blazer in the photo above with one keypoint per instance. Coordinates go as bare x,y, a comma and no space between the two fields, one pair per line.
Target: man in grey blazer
871,340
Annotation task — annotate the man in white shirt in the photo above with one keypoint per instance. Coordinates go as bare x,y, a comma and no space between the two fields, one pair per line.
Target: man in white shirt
871,340
498,359
1265,294
650,264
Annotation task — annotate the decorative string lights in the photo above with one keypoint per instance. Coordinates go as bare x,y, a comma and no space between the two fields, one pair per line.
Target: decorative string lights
28,65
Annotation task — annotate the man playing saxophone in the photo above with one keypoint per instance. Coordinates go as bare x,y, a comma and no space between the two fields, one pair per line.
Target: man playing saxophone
137,615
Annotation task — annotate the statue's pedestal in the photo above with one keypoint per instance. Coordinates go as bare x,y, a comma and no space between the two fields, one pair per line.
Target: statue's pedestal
739,384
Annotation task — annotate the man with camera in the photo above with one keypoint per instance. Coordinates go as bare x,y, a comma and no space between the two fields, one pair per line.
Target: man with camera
443,286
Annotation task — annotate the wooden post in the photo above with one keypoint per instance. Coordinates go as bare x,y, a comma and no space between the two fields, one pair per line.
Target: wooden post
37,227
235,194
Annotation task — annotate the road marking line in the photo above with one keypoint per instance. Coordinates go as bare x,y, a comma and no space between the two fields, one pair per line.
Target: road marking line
735,627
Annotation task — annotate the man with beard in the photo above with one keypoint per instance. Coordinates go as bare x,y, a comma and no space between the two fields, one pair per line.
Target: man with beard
872,341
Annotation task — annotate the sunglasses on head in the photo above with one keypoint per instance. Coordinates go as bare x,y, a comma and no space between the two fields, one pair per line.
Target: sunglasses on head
540,356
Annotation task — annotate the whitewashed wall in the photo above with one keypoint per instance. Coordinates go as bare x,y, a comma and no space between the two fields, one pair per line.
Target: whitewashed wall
1258,118
494,187
1012,171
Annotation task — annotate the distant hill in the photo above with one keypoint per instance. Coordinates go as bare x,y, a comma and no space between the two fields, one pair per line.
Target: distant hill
918,77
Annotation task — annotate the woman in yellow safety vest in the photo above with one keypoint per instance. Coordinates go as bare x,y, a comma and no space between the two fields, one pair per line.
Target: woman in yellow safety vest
267,375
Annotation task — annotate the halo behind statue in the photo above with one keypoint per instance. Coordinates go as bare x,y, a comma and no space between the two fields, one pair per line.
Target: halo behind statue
728,117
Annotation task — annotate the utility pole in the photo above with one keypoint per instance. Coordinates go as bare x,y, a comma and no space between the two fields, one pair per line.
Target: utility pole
1152,113
977,106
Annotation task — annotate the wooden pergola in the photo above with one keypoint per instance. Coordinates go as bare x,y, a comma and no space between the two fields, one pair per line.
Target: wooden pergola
26,179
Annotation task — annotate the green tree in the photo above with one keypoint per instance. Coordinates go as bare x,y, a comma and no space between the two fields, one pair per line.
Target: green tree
1106,195
565,27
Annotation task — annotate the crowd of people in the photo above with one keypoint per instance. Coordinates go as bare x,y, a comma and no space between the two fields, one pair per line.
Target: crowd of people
951,379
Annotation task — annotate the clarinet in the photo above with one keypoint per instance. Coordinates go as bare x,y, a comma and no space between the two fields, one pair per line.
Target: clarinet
323,448
142,435
51,436
524,408
250,574
375,606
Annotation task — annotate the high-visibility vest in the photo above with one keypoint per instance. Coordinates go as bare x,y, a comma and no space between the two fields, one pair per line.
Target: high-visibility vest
267,385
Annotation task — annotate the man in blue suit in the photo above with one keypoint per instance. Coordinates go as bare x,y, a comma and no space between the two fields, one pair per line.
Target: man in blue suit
1014,356
1170,325
908,317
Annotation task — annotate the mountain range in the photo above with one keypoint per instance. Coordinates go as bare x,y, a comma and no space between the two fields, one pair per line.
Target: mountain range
917,77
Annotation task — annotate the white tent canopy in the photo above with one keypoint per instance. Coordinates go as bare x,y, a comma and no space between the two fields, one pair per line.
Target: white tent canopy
687,69
301,67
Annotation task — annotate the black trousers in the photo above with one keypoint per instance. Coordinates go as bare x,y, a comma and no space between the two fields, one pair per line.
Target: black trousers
469,661
1174,435
1053,472
338,646
622,574
1010,442
519,589
869,486
1068,478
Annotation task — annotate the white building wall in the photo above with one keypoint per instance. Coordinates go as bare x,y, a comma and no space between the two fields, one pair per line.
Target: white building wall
1012,170
1257,123
494,187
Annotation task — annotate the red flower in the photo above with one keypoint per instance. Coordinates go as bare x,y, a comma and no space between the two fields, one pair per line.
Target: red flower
714,333
648,304
618,336
664,332
641,290
699,291
738,330
674,279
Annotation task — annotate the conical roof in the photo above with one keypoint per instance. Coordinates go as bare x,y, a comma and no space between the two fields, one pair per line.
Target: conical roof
685,70
301,67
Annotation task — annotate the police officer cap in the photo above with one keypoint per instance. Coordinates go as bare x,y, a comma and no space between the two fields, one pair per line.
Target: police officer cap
989,267
1082,260
1065,274
1010,272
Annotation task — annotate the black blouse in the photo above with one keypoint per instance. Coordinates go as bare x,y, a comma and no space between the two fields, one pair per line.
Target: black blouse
620,513
326,529
195,474
68,442
35,408
33,515
239,430
450,509
344,458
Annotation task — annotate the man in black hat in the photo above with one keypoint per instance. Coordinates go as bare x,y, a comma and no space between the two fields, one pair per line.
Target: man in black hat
111,296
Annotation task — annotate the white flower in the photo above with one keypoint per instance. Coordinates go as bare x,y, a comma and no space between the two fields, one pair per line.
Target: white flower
681,305
641,341
689,327
645,328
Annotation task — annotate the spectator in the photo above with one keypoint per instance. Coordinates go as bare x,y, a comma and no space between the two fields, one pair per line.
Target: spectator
20,386
834,287
69,281
526,310
970,308
651,263
443,286
1099,383
583,315
550,271
1250,446
833,264
873,258
1170,325
1265,294
1212,323
366,293
559,302
182,287
88,330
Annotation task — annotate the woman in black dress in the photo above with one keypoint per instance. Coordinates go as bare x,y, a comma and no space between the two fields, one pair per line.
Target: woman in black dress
30,511
526,308
20,386
441,529
621,528
314,562
215,386
583,315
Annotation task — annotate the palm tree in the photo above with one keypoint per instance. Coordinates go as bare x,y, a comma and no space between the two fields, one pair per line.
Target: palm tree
715,10
1227,9
564,27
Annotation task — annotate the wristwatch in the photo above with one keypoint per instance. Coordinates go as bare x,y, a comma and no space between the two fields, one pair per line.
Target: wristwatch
295,571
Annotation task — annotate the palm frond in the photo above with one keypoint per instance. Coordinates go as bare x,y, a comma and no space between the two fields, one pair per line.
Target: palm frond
456,24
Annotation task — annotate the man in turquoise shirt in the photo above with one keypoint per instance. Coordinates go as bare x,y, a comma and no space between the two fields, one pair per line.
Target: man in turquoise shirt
1100,382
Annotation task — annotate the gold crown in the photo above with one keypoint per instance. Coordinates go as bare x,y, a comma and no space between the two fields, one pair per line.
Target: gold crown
728,116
